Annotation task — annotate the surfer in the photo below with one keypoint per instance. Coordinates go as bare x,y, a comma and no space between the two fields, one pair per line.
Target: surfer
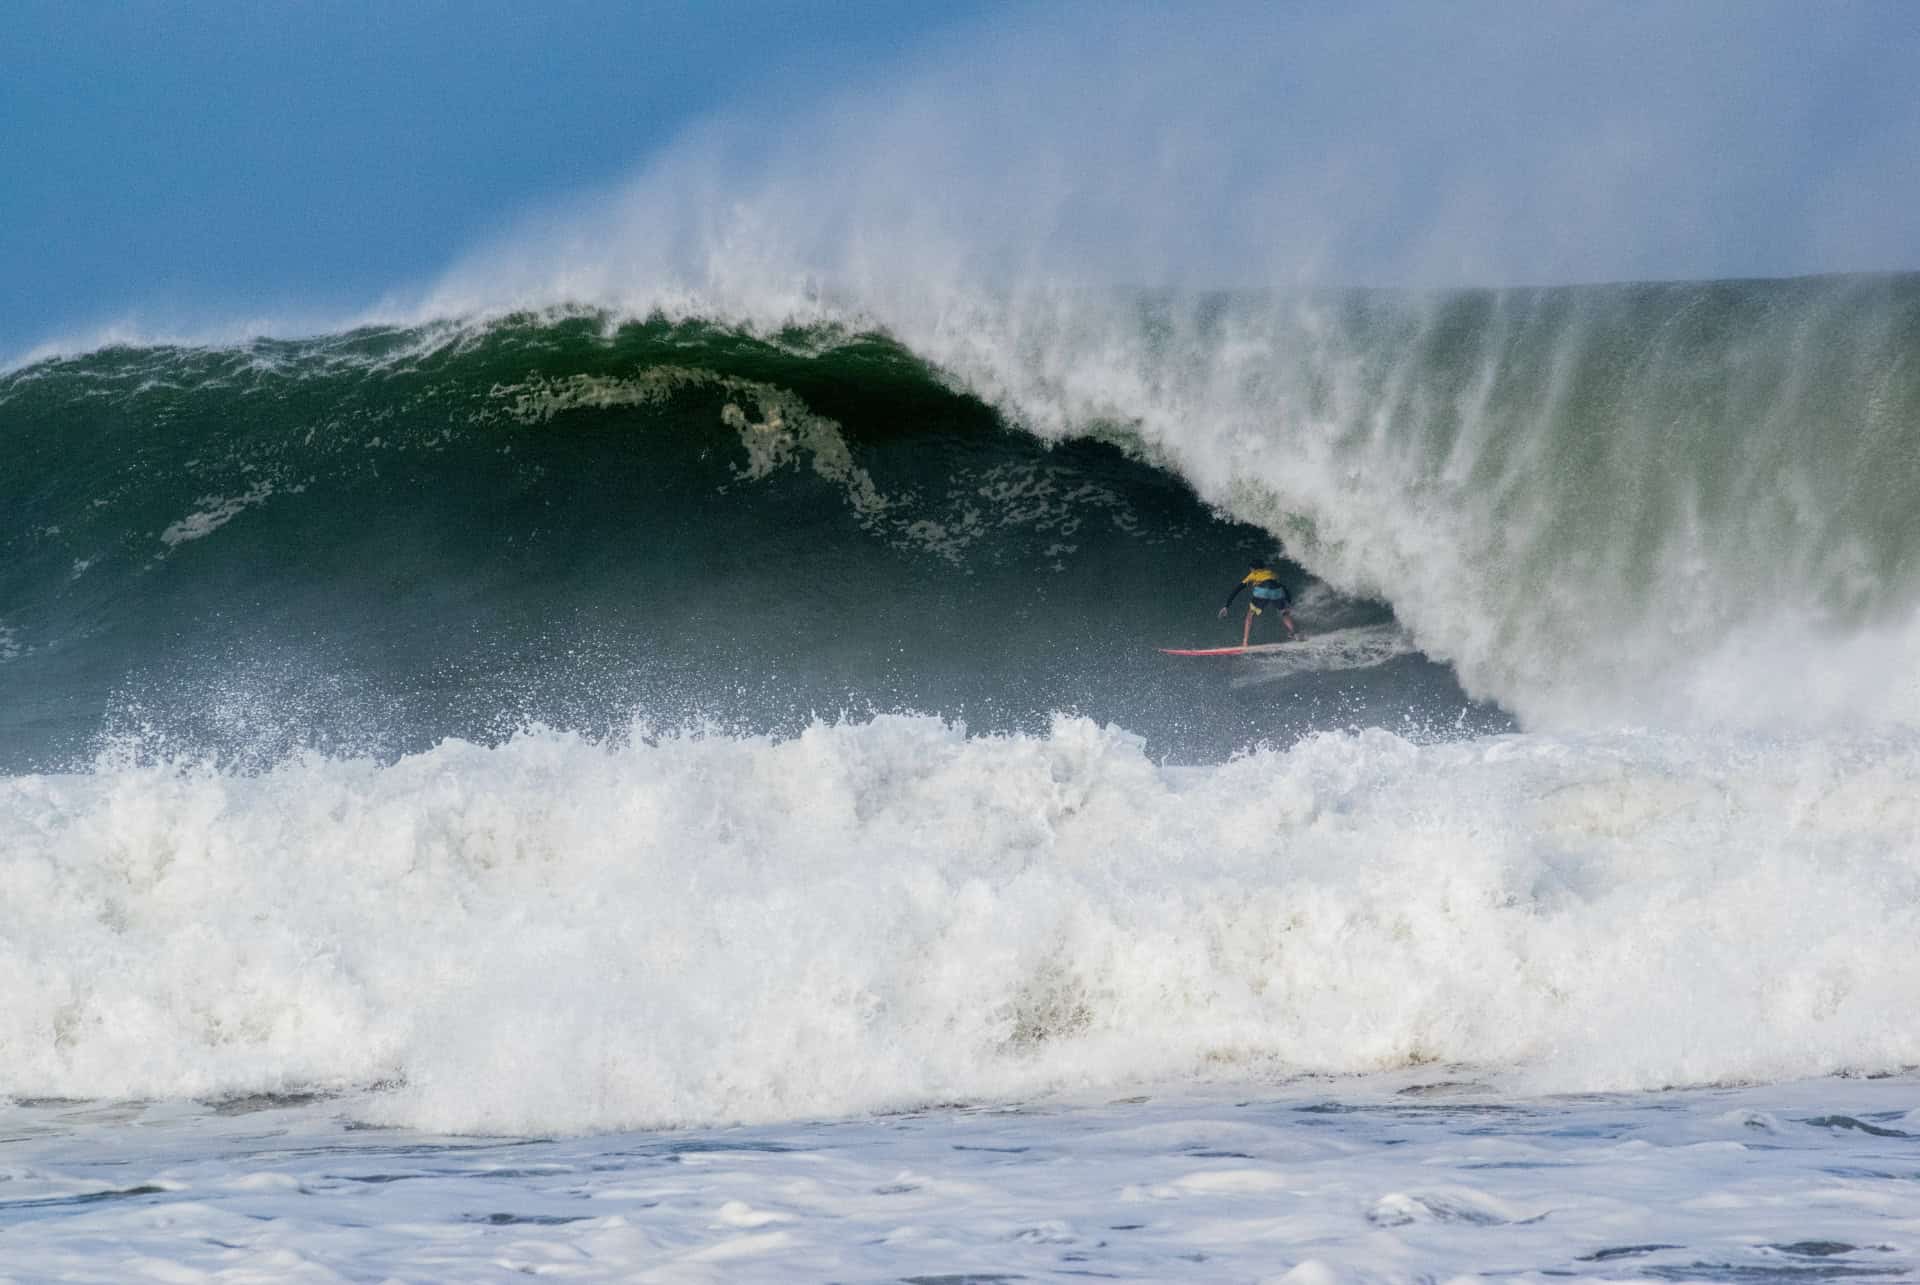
1267,594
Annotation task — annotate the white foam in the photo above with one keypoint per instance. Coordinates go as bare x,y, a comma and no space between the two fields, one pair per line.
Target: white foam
215,511
552,934
1357,647
1386,1179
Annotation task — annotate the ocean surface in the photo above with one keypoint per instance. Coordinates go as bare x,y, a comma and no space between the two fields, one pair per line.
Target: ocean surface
692,791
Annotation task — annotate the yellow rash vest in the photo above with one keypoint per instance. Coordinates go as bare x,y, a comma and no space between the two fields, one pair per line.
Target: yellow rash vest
1267,591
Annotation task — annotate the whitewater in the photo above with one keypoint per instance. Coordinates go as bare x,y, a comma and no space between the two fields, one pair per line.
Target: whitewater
880,915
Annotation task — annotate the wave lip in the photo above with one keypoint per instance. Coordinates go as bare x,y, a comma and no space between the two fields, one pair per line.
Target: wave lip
555,934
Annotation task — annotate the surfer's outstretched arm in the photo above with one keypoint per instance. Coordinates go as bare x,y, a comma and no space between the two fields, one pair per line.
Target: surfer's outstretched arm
1230,597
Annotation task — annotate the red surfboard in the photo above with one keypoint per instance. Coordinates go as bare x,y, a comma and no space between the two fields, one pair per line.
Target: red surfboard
1254,650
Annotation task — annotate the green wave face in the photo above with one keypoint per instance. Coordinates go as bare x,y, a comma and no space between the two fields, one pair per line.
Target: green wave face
374,540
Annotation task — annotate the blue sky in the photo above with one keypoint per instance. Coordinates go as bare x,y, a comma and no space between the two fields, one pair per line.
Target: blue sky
186,157
178,164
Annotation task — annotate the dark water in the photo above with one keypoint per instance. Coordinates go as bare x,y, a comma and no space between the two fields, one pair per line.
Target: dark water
371,541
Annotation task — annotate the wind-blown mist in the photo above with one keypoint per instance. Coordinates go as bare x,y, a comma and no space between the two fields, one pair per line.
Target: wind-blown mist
1234,146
